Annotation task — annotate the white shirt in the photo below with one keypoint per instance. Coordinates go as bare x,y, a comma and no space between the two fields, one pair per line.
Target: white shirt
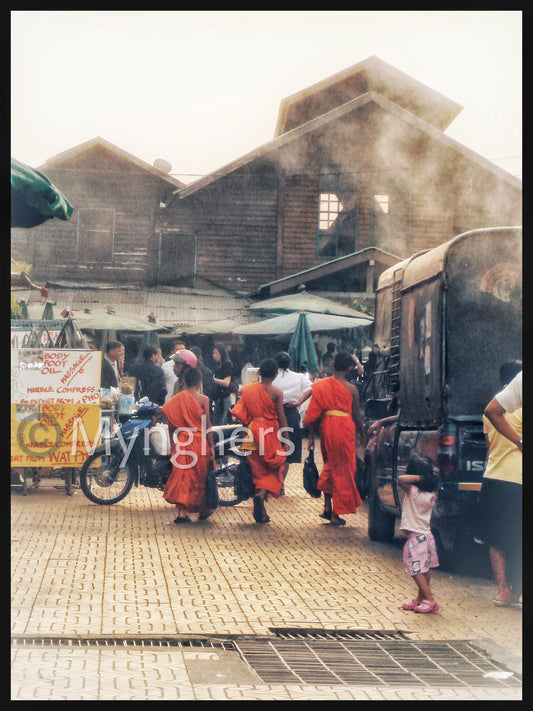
510,398
293,385
170,378
416,510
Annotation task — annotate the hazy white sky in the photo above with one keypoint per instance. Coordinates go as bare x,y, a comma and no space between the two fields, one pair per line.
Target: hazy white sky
202,88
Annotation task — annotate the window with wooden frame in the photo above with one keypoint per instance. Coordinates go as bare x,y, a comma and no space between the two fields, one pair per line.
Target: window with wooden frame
96,235
338,209
177,258
390,216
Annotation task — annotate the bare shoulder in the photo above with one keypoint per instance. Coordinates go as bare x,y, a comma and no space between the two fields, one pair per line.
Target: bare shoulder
276,393
350,387
272,391
200,399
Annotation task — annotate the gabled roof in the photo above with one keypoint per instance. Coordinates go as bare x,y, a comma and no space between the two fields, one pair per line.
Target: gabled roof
334,266
372,74
341,111
72,153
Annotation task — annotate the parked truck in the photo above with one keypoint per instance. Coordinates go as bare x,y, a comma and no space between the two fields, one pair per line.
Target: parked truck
447,318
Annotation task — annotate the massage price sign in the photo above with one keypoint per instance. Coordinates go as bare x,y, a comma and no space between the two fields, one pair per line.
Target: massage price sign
55,406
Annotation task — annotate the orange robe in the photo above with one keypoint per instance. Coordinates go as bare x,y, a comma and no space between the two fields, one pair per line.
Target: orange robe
186,484
256,410
337,443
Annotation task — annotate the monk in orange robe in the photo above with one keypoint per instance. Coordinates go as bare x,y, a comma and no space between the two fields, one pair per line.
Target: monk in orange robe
186,484
334,405
260,408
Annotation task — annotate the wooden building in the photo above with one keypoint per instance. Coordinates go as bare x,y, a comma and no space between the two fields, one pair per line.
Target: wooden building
360,161
111,236
359,175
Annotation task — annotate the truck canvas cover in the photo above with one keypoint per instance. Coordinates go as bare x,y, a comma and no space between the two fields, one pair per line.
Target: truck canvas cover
460,320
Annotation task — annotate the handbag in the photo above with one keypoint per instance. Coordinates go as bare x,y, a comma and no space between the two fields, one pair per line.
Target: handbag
211,489
310,476
244,481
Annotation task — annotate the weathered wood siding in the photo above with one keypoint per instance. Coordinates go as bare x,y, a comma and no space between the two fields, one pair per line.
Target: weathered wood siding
259,222
235,225
300,224
108,235
448,193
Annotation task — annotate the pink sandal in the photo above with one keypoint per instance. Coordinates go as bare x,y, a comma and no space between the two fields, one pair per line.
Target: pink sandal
410,605
427,606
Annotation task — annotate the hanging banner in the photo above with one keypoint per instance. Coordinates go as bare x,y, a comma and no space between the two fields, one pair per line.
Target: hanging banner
55,406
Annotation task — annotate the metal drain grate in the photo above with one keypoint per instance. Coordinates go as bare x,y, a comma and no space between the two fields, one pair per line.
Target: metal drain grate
367,662
129,642
312,633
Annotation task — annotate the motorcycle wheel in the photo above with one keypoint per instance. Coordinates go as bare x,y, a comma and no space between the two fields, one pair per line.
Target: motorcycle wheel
226,468
104,481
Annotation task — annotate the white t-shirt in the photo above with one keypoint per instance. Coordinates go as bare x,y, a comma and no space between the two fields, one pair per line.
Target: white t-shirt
170,378
293,385
416,510
510,398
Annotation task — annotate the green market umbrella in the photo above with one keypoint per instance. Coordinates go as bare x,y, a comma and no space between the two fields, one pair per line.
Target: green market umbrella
302,349
305,301
286,323
150,338
48,312
34,198
104,321
226,325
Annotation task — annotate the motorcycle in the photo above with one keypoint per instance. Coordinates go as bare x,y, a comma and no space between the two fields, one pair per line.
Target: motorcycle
134,455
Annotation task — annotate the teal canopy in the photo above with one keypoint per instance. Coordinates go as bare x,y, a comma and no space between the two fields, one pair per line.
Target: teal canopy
305,301
104,321
286,323
150,338
302,349
48,313
34,199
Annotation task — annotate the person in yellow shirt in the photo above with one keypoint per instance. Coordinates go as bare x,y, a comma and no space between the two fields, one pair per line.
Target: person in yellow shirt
500,502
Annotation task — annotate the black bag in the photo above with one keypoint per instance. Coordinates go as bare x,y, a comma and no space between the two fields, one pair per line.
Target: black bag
244,481
311,476
211,489
233,387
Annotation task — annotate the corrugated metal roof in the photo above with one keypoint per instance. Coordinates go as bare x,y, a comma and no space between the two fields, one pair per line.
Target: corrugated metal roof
172,308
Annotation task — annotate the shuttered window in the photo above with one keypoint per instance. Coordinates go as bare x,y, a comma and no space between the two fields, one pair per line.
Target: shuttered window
96,235
177,258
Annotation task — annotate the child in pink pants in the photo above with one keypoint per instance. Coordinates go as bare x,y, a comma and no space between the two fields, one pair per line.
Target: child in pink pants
420,552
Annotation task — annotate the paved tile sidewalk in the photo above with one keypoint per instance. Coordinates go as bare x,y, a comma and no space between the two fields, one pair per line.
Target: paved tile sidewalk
79,569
